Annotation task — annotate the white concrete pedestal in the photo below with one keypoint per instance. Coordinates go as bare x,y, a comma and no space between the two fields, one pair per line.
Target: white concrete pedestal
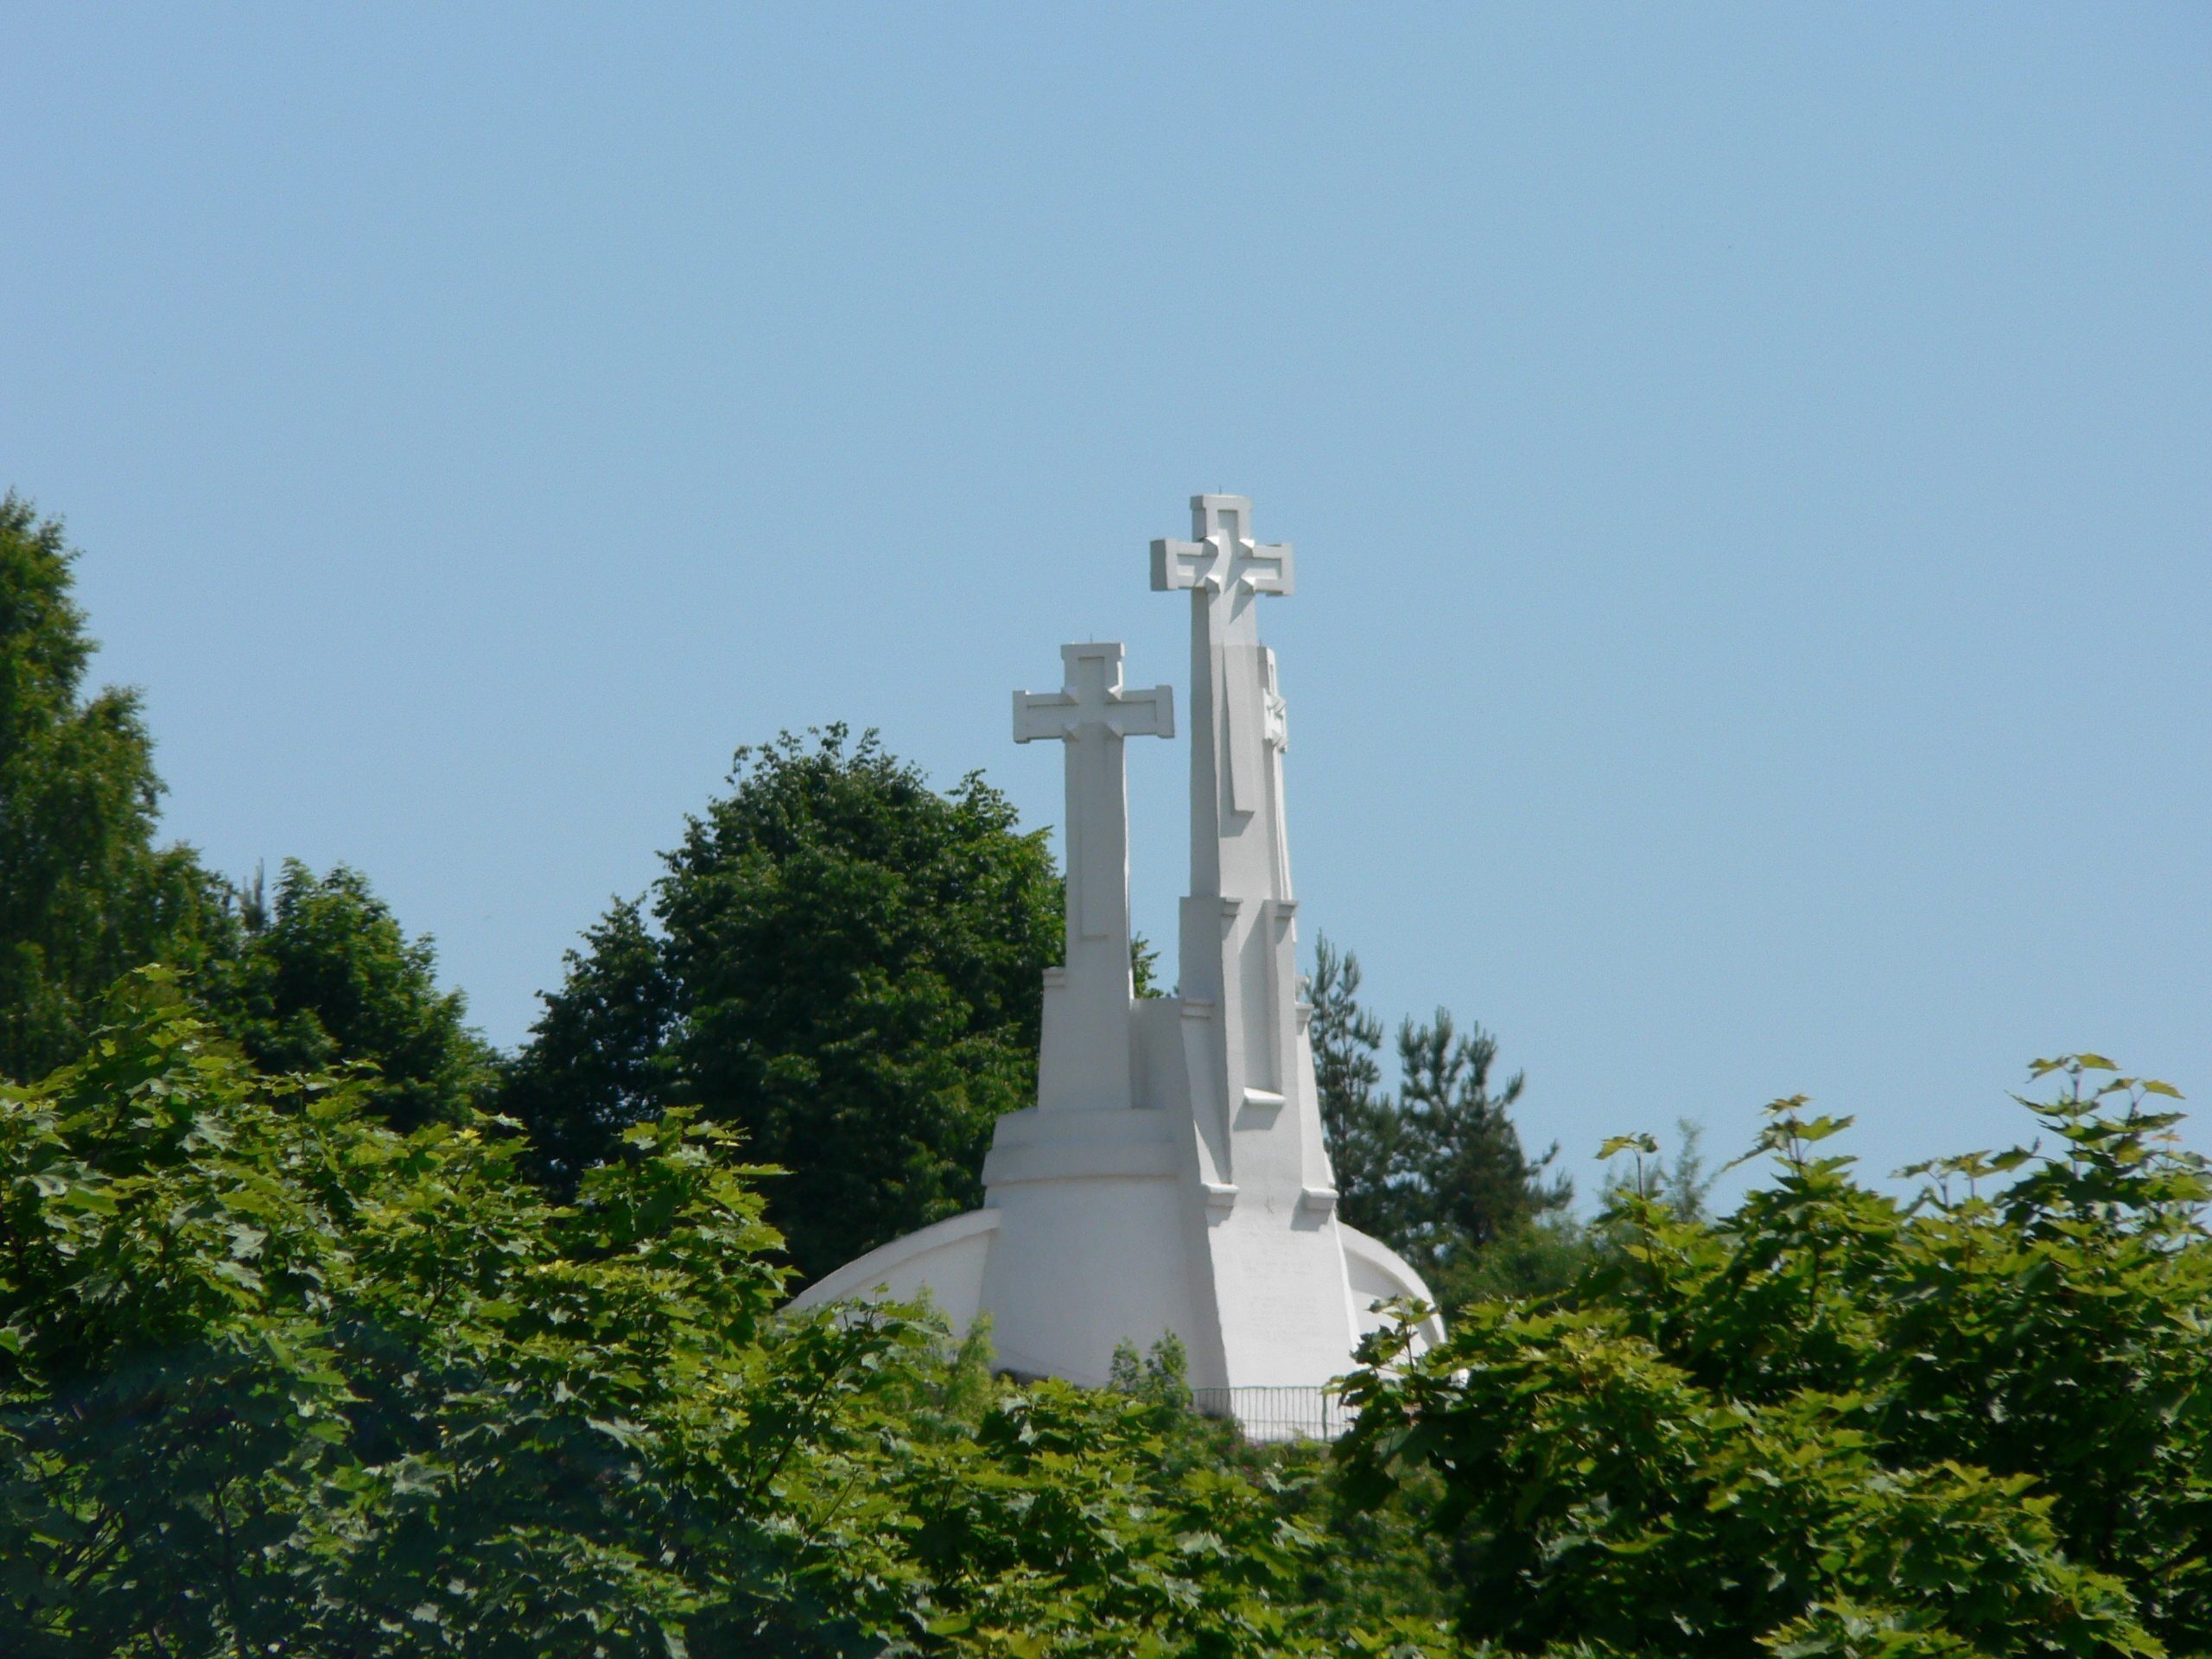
1173,1176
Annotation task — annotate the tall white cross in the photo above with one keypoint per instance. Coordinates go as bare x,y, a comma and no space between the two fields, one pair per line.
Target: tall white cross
1092,715
1224,561
1235,712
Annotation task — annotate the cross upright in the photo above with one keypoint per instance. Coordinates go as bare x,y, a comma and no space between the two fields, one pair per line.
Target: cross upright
1237,729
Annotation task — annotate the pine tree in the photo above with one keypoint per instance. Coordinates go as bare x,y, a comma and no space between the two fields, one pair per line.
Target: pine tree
1356,1117
1464,1156
1437,1172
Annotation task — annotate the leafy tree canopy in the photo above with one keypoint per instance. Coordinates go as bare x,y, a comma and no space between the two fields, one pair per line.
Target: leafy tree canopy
276,1378
85,894
324,975
1975,1421
839,960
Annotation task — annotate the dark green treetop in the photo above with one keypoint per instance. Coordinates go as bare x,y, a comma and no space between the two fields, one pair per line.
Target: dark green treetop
85,894
325,974
841,961
1362,1130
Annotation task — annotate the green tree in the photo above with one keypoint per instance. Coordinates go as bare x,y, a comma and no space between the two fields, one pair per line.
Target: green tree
1437,1172
1373,1581
601,1054
325,975
275,1377
1473,1182
85,894
1362,1131
1975,1421
842,963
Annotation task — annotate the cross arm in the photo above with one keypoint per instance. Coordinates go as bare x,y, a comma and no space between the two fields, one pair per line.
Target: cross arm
1093,699
1178,564
1145,713
1222,558
1266,567
1043,714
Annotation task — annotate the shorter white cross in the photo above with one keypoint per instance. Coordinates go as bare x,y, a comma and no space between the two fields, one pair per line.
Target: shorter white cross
1093,697
1092,713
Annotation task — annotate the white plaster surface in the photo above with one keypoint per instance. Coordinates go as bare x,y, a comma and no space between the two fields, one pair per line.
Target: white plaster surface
945,1259
1173,1174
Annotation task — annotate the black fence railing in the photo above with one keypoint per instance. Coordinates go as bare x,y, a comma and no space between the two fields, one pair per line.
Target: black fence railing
1274,1414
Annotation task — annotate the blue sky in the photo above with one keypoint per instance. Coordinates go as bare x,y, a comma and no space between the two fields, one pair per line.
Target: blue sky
1748,470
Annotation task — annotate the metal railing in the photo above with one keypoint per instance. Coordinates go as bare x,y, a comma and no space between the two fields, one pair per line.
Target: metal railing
1270,1415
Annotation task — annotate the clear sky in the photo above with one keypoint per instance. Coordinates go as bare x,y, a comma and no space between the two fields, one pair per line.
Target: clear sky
1750,470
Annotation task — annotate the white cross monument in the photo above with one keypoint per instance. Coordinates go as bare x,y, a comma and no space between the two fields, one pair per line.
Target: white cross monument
1172,1176
1086,1058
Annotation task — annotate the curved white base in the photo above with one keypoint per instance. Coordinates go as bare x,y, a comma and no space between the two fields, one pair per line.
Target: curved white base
1379,1274
1071,1270
946,1259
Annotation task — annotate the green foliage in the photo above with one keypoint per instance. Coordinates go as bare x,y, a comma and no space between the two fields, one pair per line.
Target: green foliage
598,1055
85,894
1144,966
1064,1528
1462,1154
276,1378
326,976
1162,1377
1833,1422
1437,1172
842,962
1369,1580
281,1375
1361,1128
1537,1256
1545,1255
